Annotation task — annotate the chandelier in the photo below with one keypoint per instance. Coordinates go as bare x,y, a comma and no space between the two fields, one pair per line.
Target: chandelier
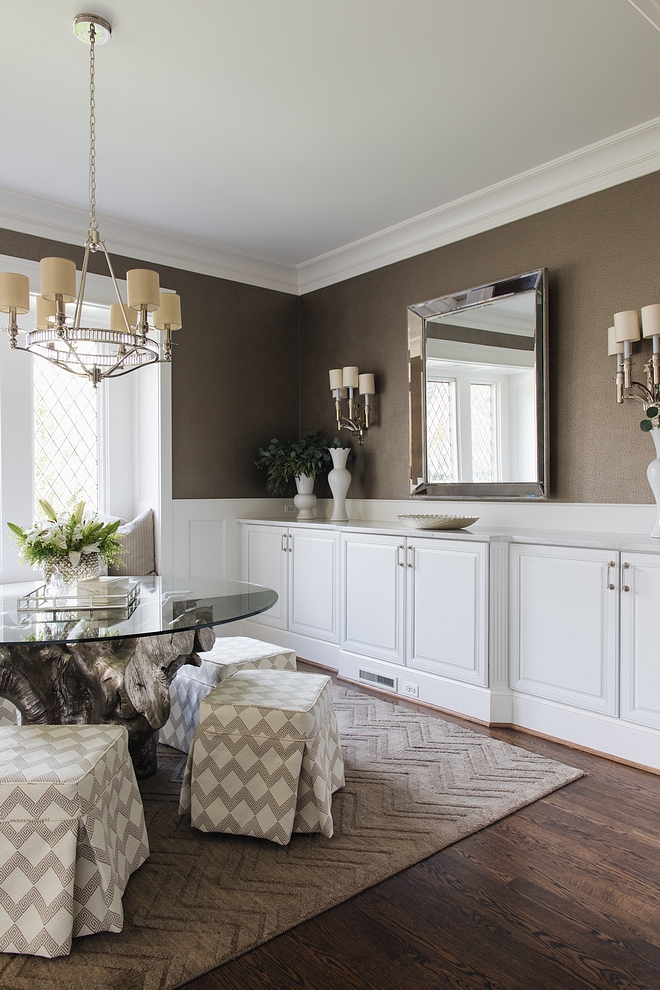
60,338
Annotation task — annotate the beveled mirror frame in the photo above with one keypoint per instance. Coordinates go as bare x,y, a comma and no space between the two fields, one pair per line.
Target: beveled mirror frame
481,295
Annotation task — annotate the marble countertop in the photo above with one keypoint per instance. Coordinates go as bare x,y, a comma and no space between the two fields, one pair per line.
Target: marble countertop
630,542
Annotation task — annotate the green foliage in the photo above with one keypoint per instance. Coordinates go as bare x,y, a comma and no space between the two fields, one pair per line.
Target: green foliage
67,535
284,460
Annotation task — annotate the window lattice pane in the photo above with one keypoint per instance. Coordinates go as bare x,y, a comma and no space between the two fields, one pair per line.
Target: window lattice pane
64,437
481,413
441,431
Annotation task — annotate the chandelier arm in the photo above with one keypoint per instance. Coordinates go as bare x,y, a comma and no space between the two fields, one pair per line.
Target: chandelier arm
74,353
77,316
114,282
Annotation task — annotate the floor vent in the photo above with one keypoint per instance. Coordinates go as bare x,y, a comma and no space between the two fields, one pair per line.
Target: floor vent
380,679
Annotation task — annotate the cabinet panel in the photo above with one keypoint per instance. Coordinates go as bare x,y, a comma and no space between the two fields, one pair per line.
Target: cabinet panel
564,625
265,561
373,596
313,578
447,598
640,645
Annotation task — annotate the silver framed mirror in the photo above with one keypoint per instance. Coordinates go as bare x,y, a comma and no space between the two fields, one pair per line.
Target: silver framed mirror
478,379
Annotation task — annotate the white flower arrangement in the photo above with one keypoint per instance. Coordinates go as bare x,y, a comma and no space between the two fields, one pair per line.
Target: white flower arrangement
69,534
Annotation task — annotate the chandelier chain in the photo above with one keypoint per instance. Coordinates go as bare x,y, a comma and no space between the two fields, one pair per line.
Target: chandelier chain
92,132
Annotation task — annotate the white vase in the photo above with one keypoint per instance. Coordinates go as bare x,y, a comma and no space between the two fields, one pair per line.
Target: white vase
305,500
339,480
653,474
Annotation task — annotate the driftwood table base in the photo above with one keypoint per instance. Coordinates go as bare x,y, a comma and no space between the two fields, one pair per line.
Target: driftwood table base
119,681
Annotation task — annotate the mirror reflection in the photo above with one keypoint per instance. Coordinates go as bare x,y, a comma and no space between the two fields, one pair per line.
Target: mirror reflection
477,391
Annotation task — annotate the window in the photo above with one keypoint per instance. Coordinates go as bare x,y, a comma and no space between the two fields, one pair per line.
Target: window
66,427
481,425
65,437
441,430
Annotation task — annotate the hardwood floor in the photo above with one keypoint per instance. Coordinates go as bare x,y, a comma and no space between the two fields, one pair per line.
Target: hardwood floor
562,894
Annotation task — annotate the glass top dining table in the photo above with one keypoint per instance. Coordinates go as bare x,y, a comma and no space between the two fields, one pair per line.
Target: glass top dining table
162,605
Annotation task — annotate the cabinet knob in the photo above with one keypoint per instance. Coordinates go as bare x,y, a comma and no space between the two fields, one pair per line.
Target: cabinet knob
398,555
624,567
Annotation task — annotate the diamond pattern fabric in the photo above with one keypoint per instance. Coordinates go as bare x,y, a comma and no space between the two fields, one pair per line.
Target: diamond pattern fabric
71,833
8,713
229,655
266,757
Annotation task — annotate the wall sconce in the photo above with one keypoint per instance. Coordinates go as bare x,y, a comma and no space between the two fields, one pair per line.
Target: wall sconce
620,339
345,383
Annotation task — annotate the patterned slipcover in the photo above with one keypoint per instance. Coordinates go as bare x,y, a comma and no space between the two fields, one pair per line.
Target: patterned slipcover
266,757
191,684
71,833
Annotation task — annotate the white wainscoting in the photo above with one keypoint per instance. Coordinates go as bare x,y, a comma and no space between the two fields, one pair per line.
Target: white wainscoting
205,535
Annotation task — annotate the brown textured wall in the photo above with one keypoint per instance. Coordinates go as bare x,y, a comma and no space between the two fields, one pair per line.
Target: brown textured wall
234,372
602,253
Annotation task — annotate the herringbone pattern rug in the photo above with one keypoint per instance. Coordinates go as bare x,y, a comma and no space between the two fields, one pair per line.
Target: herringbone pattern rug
414,784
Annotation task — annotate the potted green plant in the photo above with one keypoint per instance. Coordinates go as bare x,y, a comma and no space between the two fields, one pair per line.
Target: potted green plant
72,543
300,460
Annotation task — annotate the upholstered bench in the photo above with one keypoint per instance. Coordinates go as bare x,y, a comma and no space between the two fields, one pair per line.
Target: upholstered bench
71,833
266,758
191,684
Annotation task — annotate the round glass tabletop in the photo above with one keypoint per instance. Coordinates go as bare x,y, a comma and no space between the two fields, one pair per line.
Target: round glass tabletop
154,605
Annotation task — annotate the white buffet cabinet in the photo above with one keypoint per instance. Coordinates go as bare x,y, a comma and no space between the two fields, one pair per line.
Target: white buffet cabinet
553,632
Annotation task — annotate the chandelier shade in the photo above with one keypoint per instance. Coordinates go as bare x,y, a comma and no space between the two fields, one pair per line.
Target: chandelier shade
96,353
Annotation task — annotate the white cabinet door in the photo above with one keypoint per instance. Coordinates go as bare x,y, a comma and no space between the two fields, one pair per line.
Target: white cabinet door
640,644
373,596
265,561
313,583
564,625
447,608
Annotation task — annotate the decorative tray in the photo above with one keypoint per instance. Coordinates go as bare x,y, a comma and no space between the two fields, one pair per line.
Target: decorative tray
105,606
428,521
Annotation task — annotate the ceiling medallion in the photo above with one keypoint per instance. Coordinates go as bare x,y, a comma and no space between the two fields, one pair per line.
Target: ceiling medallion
60,338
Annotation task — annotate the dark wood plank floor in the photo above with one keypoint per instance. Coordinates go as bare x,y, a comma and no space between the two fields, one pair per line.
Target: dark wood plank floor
563,894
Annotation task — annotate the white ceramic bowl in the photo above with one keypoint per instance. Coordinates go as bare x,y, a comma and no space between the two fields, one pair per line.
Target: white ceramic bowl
427,521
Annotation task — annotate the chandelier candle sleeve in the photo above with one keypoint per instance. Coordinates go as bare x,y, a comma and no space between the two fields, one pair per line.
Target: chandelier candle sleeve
58,278
14,293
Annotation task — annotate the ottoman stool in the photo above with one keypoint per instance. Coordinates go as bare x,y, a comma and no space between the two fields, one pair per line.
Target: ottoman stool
266,758
71,833
191,684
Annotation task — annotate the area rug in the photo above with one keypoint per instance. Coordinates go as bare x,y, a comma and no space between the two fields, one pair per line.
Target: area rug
414,784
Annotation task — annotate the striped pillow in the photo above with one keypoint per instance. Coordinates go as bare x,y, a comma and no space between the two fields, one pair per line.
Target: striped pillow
137,537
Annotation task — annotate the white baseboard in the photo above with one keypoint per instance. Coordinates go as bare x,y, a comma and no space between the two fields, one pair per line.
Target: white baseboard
606,734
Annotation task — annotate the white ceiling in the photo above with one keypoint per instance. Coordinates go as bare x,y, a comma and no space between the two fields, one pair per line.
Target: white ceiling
288,128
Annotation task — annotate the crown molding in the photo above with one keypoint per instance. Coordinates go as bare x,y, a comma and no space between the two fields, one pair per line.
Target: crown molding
624,156
44,218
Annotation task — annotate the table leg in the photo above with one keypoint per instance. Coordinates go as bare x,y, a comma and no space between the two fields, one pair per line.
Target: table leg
124,682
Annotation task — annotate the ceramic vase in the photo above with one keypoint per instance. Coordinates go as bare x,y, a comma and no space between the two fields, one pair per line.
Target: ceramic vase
339,480
89,566
653,474
305,500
